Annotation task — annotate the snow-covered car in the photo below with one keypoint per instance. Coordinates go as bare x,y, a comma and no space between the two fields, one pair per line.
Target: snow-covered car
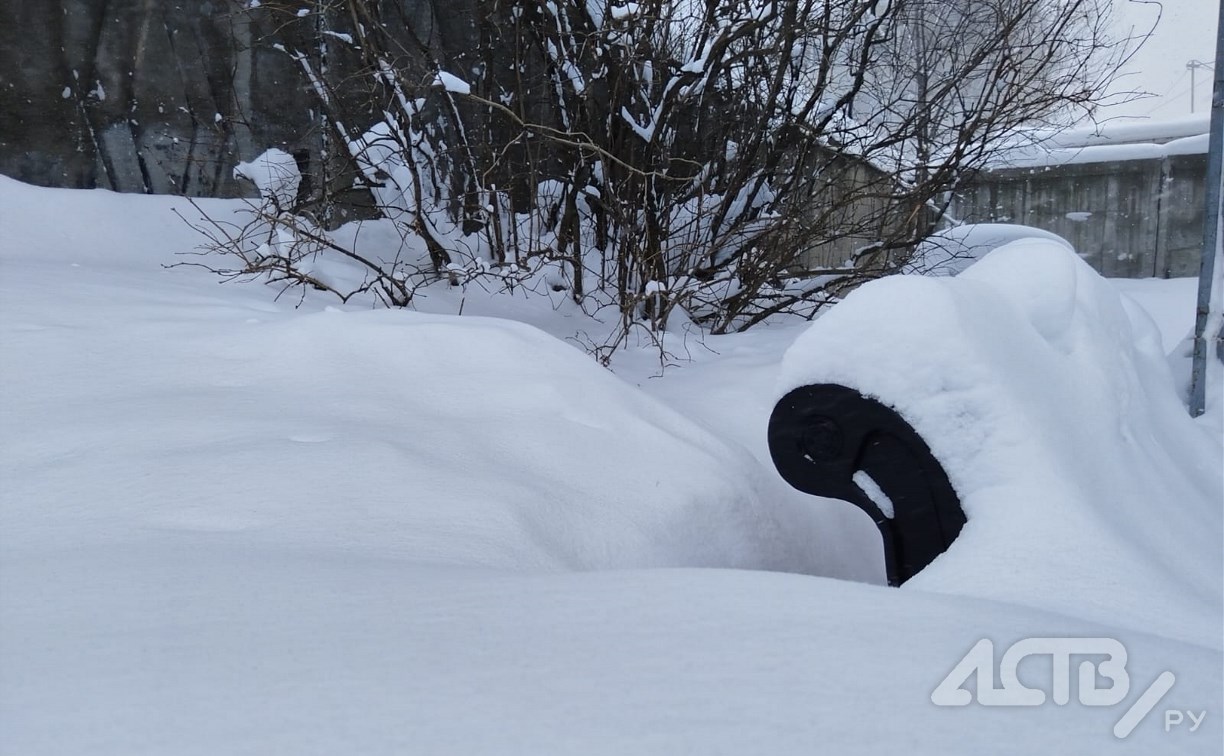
949,251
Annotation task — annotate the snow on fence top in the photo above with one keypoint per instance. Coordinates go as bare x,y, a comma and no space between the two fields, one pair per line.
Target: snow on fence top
1111,141
1134,131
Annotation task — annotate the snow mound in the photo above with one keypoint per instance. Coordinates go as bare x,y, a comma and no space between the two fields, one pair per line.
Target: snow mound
427,438
1047,398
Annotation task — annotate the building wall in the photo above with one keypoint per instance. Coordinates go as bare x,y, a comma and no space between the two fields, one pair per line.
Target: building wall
1128,218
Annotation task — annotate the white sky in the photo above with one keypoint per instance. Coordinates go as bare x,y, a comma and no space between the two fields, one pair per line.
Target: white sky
1185,32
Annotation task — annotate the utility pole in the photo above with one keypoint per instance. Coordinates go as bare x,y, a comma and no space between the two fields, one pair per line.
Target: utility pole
1209,317
1192,66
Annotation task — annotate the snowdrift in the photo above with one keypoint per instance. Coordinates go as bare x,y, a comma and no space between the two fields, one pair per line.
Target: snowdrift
236,525
1047,398
429,438
142,403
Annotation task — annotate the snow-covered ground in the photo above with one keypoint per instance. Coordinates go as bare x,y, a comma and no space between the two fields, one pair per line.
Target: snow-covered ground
236,525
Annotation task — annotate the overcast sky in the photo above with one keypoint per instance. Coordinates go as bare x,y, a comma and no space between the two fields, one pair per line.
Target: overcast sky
1185,32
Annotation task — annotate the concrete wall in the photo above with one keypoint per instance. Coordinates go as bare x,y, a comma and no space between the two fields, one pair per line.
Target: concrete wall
1127,218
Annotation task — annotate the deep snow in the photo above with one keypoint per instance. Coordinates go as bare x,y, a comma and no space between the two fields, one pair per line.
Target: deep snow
233,525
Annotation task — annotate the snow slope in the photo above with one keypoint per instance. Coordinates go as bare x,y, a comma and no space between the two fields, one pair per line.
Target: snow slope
233,525
221,649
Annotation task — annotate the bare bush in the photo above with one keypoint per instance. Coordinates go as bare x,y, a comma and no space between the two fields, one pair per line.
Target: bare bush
736,158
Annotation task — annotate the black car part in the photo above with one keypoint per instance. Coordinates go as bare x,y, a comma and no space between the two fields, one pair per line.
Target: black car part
829,440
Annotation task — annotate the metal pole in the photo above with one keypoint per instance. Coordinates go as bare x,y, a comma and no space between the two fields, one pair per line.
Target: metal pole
1192,68
1209,314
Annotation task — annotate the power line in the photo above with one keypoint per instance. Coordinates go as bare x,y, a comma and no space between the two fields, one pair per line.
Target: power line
1163,100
